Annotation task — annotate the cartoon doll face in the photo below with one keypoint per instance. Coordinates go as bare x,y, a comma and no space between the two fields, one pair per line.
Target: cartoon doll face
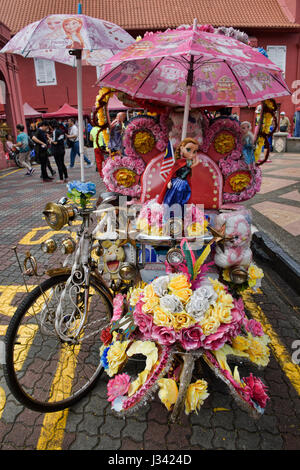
245,128
189,150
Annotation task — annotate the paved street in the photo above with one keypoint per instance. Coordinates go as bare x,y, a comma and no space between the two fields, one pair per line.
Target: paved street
221,423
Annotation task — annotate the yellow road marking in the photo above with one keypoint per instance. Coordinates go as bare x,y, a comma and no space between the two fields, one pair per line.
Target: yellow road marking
7,294
11,172
53,428
291,370
2,401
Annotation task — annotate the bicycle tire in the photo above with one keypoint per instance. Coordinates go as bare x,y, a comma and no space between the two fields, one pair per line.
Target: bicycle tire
17,161
29,348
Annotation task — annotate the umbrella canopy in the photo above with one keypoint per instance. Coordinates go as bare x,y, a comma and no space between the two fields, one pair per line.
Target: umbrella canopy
115,104
65,111
73,40
30,112
215,69
53,36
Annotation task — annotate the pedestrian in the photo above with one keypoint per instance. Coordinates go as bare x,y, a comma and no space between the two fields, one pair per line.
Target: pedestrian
40,138
116,134
22,145
284,125
96,136
57,141
73,137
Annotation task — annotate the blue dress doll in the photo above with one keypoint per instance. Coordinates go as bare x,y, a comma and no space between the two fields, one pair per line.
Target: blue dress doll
248,143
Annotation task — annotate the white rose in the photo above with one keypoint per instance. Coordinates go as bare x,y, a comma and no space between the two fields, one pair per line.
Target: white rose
160,285
171,303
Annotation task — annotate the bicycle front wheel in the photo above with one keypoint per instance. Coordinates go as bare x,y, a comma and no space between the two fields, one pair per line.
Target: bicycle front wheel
42,371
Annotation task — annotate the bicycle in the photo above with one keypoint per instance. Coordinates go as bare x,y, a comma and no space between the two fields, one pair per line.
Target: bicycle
53,339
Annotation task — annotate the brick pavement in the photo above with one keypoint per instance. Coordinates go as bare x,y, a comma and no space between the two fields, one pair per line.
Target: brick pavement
90,424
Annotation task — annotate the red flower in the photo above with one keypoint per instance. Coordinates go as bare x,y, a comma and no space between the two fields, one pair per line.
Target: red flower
257,390
106,336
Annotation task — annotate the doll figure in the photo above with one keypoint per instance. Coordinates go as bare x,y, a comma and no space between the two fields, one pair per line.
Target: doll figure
177,189
248,143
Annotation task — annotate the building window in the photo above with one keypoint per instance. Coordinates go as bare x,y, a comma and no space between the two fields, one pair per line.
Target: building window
277,55
45,72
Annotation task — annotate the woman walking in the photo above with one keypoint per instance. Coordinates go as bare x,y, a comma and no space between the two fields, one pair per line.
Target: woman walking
57,142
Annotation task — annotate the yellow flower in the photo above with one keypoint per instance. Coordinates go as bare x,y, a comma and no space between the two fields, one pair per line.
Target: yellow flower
218,286
239,181
258,350
134,296
225,299
240,343
195,396
168,392
254,273
182,294
223,313
210,323
161,317
224,143
143,142
150,304
183,320
116,356
179,281
125,177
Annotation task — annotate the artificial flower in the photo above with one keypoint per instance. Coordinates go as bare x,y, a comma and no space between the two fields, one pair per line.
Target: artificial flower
118,305
255,275
222,312
191,338
195,396
118,386
183,294
143,321
106,336
239,181
178,282
116,356
160,285
136,384
150,304
209,324
183,320
125,177
163,335
257,390
254,327
148,349
134,295
171,303
258,350
168,392
162,317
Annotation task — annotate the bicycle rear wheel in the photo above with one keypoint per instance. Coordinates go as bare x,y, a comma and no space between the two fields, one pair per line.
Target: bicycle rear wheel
43,372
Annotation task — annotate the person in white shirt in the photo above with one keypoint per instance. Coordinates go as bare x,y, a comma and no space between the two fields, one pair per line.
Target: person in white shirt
74,139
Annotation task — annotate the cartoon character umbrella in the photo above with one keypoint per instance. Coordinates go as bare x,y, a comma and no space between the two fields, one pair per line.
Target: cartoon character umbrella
194,68
74,40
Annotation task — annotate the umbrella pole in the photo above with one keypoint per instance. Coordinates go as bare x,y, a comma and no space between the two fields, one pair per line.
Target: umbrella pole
189,83
80,112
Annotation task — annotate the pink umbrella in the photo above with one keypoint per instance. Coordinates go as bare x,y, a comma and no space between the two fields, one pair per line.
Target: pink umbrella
194,68
73,40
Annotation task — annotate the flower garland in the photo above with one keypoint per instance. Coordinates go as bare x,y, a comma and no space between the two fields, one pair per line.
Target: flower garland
101,113
223,137
145,135
120,175
268,115
243,181
169,311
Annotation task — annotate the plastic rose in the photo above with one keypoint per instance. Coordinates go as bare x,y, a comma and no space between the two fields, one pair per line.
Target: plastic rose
163,335
116,356
254,327
171,303
191,338
195,396
143,321
257,390
160,285
118,386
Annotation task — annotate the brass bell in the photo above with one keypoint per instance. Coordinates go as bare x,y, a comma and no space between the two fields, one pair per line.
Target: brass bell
49,246
67,246
238,274
58,215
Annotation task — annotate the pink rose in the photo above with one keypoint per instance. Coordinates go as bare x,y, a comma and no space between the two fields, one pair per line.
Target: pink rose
254,327
118,386
191,338
117,307
143,321
257,390
163,335
217,339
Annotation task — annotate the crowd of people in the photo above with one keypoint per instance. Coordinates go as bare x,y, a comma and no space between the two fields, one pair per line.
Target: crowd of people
46,138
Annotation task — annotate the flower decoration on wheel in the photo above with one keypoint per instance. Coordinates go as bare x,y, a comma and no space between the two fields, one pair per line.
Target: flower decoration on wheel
193,315
121,175
145,136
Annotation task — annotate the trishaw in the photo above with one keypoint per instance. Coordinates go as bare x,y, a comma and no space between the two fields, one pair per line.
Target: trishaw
151,285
